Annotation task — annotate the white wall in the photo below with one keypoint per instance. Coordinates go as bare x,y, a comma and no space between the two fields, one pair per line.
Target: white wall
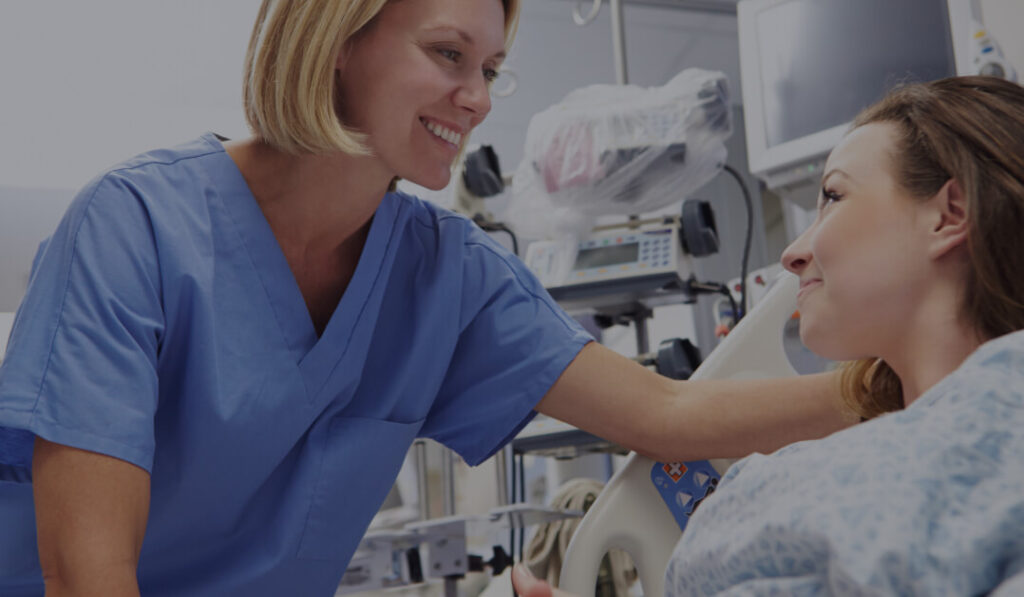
87,84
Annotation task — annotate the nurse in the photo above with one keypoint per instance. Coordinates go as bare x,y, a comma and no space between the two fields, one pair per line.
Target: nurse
227,347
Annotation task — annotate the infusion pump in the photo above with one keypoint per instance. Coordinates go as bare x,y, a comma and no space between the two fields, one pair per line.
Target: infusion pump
617,255
635,259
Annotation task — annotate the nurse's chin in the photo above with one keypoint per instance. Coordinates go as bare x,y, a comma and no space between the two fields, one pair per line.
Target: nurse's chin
434,182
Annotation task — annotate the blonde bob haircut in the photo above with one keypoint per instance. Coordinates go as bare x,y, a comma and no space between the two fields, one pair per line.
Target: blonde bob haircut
289,88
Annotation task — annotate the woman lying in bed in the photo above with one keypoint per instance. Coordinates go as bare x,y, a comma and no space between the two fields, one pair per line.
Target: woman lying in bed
912,273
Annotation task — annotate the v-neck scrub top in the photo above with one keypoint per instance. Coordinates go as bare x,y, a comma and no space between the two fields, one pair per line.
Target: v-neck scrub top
163,326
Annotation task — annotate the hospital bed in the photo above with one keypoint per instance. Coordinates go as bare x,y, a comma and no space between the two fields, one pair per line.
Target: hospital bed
630,513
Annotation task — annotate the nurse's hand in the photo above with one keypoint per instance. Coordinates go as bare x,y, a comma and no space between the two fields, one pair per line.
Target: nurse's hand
91,513
527,585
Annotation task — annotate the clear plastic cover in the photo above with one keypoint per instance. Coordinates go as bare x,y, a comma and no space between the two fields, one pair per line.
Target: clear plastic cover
619,150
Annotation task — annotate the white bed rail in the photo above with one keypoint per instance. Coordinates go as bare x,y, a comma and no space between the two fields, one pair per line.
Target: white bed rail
630,514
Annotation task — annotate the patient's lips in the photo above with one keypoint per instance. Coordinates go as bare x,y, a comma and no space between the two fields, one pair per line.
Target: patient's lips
807,285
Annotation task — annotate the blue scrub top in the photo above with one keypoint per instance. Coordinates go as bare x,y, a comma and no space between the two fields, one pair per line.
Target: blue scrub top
164,327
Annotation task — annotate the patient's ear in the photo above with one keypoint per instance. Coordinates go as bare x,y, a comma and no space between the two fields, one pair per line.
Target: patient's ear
950,218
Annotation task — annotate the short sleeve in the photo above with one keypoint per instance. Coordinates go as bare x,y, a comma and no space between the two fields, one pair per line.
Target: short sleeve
1012,585
514,344
81,364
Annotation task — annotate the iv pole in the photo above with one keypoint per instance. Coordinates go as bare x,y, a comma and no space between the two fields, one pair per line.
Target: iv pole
618,33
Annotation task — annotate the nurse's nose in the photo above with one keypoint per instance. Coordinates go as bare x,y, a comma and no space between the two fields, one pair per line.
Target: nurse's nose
474,96
798,254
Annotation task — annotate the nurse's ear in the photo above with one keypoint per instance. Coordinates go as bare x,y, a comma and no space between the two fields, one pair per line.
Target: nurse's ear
347,47
949,217
342,58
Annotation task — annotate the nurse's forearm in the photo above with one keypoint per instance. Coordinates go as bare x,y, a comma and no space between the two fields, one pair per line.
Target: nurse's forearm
110,583
615,398
733,418
91,513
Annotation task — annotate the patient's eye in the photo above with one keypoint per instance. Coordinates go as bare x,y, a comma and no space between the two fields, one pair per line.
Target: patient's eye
828,196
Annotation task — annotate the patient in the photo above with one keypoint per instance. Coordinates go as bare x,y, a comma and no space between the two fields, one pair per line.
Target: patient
913,273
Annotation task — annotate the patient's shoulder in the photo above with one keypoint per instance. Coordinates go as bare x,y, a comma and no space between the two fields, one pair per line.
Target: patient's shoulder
1005,352
993,373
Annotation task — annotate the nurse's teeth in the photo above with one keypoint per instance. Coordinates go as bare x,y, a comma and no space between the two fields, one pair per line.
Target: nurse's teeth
443,132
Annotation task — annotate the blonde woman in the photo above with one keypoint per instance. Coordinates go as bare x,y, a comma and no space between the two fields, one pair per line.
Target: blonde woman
227,347
913,273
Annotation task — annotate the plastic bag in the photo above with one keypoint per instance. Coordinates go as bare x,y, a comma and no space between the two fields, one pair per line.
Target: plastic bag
619,150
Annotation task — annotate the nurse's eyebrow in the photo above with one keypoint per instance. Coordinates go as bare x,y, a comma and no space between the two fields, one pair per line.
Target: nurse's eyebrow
467,38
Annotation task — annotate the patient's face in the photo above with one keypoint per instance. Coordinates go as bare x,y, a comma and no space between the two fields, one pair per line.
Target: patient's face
862,260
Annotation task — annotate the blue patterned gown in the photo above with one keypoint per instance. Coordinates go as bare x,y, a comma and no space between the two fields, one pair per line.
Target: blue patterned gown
925,501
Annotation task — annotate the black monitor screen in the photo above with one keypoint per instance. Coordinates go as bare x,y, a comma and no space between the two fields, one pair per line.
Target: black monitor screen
822,61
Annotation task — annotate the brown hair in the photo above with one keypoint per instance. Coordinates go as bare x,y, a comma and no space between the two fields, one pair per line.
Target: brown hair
289,90
970,129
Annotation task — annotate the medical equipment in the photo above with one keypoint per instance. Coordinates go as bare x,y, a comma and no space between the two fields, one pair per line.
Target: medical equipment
386,559
638,261
809,66
482,178
631,513
619,150
988,58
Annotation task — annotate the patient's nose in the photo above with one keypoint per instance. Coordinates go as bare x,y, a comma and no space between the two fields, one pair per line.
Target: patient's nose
797,255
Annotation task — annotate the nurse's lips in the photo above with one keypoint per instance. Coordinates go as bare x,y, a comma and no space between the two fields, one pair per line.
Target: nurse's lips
447,133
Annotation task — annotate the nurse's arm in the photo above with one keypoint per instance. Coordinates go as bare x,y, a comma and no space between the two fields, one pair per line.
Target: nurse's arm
615,398
91,513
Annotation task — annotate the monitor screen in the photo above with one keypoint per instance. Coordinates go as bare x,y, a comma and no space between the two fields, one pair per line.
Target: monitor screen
809,66
822,61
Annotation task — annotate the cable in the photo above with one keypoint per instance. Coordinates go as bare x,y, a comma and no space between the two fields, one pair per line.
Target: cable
694,287
512,528
488,226
746,244
522,500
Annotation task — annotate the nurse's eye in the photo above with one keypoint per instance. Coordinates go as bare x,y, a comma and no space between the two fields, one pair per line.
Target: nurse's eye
449,54
490,74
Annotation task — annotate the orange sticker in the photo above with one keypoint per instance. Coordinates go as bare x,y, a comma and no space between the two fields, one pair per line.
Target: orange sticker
675,470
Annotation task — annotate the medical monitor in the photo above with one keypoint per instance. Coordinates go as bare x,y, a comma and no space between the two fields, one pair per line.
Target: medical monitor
809,66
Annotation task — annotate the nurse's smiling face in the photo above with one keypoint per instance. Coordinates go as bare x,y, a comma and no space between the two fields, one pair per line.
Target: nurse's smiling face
417,80
862,261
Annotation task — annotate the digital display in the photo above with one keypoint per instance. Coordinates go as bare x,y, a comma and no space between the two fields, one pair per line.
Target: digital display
605,256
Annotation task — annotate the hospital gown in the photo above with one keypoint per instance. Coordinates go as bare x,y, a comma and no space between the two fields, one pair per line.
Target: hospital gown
163,326
925,501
